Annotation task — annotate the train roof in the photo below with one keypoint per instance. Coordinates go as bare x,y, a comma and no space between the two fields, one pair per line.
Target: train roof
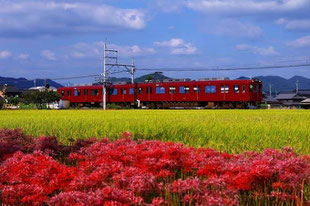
167,83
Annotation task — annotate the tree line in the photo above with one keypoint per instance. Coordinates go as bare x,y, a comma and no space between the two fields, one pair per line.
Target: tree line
37,98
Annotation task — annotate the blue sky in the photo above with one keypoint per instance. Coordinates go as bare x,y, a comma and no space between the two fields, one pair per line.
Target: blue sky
50,39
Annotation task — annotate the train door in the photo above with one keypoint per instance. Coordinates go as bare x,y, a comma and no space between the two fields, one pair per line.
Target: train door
197,91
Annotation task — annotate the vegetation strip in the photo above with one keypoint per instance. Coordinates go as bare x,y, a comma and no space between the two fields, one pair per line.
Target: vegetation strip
233,131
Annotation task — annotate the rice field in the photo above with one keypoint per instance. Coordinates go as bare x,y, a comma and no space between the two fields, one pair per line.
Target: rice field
232,131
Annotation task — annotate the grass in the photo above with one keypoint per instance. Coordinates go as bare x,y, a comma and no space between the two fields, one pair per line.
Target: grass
232,131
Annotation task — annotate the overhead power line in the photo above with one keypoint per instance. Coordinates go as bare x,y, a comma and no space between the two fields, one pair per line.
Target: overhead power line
189,69
76,77
224,69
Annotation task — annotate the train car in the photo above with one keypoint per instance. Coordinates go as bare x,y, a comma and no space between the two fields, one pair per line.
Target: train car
79,96
183,93
214,93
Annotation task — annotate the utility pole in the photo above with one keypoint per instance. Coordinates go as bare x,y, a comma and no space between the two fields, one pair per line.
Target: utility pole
111,66
297,87
133,69
34,82
104,75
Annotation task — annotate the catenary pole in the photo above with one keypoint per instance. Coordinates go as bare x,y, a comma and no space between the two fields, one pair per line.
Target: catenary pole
104,78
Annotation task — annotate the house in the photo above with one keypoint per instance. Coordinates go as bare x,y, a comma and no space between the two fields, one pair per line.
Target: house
290,99
9,91
304,93
305,103
42,88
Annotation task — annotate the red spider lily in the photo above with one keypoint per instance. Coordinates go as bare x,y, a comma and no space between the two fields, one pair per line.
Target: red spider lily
127,172
127,135
276,185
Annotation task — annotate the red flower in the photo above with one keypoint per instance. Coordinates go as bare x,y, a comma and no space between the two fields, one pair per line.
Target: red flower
127,135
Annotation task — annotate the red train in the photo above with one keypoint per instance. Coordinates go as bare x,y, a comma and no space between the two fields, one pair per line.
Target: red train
211,93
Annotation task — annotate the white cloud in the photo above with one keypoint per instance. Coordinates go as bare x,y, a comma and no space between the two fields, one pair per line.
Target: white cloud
53,18
23,56
91,50
246,7
301,42
236,28
5,54
269,51
297,24
178,46
49,55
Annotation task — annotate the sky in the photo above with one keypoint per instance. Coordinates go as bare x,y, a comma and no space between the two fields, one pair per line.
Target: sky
53,39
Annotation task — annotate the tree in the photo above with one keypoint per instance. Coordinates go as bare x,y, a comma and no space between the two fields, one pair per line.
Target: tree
1,102
13,100
39,98
149,78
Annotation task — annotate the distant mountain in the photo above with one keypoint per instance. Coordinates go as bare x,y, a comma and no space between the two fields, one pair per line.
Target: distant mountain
153,76
242,77
24,84
280,84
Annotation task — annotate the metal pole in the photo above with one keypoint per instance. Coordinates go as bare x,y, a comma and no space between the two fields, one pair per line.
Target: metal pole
297,86
270,92
132,71
104,78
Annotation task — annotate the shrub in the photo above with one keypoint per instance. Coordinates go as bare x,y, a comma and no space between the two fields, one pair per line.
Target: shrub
113,106
27,106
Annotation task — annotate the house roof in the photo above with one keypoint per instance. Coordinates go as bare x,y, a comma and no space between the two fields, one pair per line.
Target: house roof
305,102
286,96
42,88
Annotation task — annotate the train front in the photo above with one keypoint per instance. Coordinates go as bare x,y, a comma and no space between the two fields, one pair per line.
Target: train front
256,92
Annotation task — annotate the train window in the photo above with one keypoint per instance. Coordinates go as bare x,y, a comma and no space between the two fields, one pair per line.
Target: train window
77,92
243,88
224,89
213,89
114,91
171,90
130,91
236,88
85,92
210,89
186,90
250,88
260,88
62,93
160,90
181,90
140,90
94,92
196,89
68,92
